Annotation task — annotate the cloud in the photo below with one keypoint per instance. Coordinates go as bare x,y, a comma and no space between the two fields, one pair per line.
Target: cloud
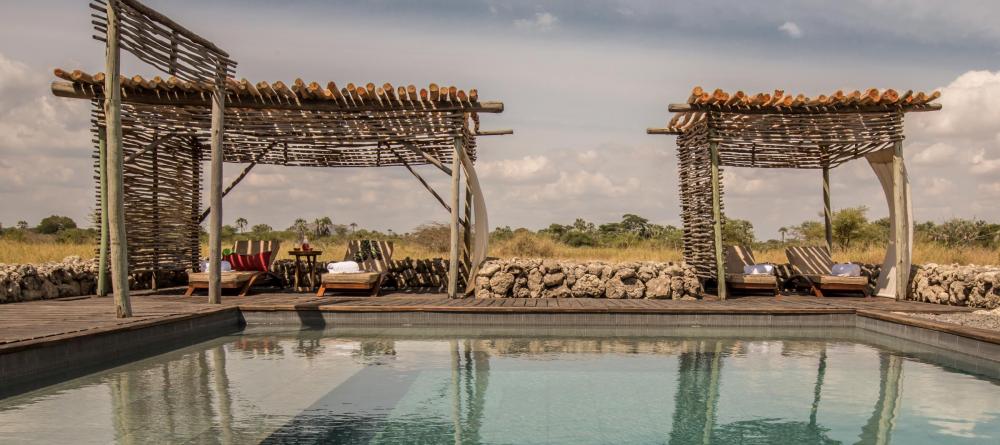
937,153
968,108
791,30
586,184
587,157
30,118
513,169
543,21
983,166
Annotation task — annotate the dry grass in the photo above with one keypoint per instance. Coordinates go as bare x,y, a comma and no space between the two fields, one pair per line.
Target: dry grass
19,252
527,245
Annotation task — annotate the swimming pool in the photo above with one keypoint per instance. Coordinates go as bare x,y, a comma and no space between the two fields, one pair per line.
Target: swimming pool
525,386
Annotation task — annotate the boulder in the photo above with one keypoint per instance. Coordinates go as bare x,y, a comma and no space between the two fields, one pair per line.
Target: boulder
501,283
658,288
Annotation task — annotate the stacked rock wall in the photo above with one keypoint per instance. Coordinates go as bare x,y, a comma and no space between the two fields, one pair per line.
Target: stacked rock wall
960,285
535,278
69,278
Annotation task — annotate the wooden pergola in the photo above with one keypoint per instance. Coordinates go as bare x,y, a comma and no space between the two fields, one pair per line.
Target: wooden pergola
720,129
152,134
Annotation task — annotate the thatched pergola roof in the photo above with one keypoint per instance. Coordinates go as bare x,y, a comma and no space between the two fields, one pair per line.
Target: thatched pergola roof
776,130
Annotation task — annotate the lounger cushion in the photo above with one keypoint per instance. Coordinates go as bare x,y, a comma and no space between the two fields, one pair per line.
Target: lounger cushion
351,278
227,277
831,279
750,279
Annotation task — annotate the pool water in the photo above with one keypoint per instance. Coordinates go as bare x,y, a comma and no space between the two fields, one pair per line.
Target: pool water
496,386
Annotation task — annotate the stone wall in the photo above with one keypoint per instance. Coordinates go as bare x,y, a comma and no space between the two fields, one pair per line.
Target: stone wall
968,285
961,285
70,277
534,278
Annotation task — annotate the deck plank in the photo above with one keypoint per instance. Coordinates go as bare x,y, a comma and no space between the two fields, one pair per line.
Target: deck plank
31,321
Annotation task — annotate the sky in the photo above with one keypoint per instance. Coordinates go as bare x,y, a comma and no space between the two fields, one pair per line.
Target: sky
581,81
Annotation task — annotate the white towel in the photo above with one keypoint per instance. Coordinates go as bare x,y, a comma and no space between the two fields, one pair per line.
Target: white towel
846,270
343,267
758,269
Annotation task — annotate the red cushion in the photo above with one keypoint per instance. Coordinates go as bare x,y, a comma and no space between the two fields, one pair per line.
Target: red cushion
249,263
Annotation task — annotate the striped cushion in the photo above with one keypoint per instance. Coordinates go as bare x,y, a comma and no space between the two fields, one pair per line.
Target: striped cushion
810,260
257,262
737,257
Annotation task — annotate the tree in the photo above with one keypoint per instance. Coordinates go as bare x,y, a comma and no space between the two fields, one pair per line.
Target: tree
53,224
783,230
300,227
228,231
241,224
322,226
261,229
354,227
583,226
22,225
340,230
637,225
848,224
737,231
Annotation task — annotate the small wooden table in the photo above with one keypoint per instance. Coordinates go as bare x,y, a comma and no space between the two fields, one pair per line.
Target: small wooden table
309,271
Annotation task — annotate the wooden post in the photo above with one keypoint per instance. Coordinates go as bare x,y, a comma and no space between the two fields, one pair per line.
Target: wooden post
456,176
720,267
827,210
102,165
215,199
116,177
901,240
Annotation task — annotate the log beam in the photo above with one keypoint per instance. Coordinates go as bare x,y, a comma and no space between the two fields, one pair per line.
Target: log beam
116,178
215,192
900,237
720,268
827,210
456,174
102,165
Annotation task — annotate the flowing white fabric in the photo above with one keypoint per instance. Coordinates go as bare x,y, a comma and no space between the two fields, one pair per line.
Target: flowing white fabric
881,162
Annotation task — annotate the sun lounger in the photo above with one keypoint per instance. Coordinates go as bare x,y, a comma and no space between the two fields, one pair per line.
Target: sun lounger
815,264
737,258
242,280
374,258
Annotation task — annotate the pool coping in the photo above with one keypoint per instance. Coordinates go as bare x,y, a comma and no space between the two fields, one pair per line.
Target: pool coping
95,349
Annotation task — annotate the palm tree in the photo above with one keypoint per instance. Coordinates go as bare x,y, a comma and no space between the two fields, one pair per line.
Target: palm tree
323,226
783,231
241,224
354,228
300,226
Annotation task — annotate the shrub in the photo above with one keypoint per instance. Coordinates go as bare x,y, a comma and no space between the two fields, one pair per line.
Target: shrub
55,223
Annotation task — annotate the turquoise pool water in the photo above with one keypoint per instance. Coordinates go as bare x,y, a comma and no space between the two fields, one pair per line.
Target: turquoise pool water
418,385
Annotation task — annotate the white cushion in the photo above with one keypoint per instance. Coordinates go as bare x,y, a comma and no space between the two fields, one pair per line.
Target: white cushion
759,269
343,267
846,270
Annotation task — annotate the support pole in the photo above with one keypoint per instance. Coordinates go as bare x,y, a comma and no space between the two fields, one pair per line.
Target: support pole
827,210
720,267
116,176
102,165
456,176
215,200
901,224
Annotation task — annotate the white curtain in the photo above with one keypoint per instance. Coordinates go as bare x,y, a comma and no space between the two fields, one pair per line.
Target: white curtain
881,162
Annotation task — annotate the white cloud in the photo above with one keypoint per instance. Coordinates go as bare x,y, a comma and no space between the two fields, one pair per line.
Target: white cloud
587,157
936,153
983,166
31,118
514,169
791,29
937,186
543,21
586,184
969,108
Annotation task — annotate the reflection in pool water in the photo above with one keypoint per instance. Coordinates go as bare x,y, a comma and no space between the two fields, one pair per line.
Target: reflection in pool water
553,386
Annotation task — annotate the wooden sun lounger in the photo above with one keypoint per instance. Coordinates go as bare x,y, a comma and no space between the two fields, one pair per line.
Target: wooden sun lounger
736,258
374,258
237,279
815,263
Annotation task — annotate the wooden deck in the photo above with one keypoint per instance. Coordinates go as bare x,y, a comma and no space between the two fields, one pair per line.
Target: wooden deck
25,324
